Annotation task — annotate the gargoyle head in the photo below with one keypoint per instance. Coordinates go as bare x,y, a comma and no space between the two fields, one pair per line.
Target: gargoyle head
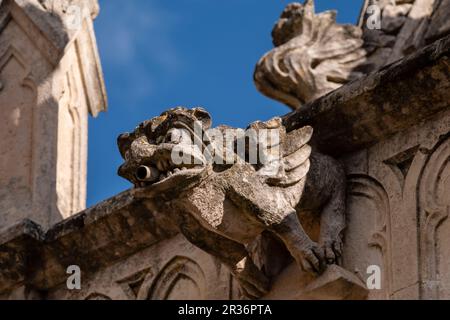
165,153
313,55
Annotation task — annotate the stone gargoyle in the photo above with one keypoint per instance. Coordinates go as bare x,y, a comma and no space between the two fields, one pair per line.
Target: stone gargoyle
313,56
222,207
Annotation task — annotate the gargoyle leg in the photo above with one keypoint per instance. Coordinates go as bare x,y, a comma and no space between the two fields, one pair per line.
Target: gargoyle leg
332,222
306,252
253,282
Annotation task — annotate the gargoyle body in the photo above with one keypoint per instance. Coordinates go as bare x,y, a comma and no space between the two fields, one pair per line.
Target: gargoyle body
222,207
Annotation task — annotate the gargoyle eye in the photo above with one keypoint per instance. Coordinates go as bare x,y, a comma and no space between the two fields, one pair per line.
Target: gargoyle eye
177,136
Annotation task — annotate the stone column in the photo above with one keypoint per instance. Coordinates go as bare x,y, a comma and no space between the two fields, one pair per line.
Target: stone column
50,79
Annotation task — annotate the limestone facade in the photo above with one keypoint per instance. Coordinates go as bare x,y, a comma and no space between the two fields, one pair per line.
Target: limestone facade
390,129
51,80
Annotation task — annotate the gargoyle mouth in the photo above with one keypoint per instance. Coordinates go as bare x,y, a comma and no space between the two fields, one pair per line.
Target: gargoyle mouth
151,176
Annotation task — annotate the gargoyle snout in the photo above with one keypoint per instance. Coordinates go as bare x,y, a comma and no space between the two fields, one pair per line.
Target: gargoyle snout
147,174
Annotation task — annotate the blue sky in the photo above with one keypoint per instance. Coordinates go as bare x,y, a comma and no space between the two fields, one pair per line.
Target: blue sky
158,54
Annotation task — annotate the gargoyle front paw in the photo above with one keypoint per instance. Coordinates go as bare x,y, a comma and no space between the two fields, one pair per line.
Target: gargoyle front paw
254,284
311,258
332,249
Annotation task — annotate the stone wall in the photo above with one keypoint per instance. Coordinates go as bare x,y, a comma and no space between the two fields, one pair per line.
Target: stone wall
50,80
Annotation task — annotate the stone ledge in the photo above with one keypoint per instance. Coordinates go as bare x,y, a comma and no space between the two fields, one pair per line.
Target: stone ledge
386,102
51,35
93,239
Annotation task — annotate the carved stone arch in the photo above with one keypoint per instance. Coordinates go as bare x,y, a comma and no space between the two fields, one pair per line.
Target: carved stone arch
97,296
434,208
180,279
369,228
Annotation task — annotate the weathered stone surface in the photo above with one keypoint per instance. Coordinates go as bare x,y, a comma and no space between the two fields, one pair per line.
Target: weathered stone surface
303,67
221,208
18,245
313,55
440,23
394,17
383,103
171,269
335,283
93,239
50,79
410,25
390,130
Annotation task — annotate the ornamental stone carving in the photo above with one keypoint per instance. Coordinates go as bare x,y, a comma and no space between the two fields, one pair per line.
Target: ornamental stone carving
222,207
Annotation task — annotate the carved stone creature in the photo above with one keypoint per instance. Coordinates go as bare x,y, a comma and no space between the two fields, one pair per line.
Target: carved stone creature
313,55
221,208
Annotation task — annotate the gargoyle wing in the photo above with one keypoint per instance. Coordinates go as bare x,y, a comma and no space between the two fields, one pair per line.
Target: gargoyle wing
295,156
285,159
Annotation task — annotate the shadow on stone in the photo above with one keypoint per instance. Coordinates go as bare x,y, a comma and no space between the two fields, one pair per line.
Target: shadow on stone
335,283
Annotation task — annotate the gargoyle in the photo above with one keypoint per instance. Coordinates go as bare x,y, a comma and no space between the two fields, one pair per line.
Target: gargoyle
313,55
222,207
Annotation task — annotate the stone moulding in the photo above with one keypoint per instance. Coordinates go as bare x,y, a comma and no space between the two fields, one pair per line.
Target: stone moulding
353,117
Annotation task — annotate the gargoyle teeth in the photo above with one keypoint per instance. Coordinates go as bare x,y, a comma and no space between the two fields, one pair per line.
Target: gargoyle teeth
176,170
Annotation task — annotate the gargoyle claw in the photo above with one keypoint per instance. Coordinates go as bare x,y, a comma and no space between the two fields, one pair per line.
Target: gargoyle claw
312,259
332,251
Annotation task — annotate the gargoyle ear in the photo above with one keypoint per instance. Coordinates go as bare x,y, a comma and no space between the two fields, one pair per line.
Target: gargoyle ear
124,143
203,116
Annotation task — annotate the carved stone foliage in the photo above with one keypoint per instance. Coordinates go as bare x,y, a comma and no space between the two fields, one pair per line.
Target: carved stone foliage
313,55
97,296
